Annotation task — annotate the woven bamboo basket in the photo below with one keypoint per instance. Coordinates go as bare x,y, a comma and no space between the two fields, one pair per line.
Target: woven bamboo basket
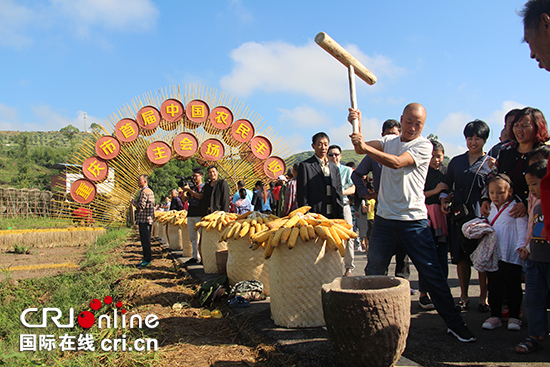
187,247
155,229
174,235
210,243
245,264
296,277
162,233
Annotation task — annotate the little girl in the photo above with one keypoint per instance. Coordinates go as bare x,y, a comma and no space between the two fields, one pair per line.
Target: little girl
537,266
511,234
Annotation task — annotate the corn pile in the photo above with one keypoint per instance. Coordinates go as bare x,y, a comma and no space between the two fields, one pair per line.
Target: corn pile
175,217
238,225
249,224
306,225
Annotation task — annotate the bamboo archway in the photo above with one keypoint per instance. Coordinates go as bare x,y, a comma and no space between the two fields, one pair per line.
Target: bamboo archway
240,160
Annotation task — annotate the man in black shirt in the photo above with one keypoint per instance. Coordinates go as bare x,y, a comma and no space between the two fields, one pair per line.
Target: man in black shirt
216,192
176,203
197,209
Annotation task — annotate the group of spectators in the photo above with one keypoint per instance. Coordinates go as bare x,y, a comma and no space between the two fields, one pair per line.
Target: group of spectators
425,210
199,200
422,207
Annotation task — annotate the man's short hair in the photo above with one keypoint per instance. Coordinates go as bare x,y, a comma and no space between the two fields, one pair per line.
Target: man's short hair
477,127
511,113
335,147
240,183
145,177
437,146
210,167
351,164
537,169
540,153
390,124
532,12
319,135
198,170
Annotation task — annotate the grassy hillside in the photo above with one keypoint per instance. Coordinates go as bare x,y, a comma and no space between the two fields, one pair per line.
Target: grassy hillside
54,139
26,158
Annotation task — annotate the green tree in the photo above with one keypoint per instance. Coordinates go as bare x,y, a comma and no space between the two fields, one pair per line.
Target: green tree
432,137
69,131
95,127
163,180
24,174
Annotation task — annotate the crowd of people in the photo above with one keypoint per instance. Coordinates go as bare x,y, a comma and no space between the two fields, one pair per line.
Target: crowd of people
504,189
484,208
404,202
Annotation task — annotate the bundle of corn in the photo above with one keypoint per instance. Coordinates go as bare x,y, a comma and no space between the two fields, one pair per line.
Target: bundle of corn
53,237
248,223
218,227
175,217
296,295
210,239
243,264
307,226
176,234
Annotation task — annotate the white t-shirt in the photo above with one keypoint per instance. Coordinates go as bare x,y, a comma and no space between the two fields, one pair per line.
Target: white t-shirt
401,195
511,233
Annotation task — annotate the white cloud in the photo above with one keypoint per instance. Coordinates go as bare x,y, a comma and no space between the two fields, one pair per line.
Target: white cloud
51,120
452,126
453,149
242,13
120,15
297,143
303,116
14,19
84,18
9,120
282,67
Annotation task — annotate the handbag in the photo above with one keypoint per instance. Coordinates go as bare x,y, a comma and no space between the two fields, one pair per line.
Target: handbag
459,211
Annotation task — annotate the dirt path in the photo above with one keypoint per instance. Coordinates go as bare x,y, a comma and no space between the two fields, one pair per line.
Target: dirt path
185,338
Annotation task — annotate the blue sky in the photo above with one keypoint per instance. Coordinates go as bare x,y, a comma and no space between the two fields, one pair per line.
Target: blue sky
462,60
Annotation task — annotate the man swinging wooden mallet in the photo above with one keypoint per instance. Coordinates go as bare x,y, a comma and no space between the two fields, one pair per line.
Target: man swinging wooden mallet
353,65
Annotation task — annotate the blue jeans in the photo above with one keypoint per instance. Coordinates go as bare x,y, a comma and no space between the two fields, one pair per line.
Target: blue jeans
537,286
416,239
443,256
145,238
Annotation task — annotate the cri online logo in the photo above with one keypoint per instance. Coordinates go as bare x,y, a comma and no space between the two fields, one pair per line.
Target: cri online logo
87,319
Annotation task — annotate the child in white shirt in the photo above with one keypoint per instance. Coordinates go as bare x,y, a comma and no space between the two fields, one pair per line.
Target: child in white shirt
511,233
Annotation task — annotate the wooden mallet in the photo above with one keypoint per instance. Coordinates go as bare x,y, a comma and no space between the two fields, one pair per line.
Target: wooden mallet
353,65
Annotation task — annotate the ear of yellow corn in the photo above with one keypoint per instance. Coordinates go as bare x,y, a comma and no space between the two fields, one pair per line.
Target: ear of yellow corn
293,237
285,235
277,237
304,233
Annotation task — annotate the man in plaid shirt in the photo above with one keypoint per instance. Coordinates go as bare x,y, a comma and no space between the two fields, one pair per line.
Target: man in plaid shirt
145,211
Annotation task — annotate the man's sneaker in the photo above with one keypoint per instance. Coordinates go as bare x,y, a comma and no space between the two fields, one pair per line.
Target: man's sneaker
462,333
426,303
143,264
492,323
191,261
